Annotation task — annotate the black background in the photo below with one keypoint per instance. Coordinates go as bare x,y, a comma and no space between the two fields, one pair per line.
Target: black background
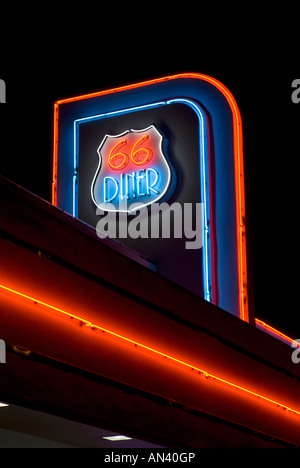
256,57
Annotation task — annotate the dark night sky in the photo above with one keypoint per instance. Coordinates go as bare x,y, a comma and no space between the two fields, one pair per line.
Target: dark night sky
258,70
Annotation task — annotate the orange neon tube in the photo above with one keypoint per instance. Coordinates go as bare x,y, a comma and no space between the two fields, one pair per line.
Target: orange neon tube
274,331
152,350
238,164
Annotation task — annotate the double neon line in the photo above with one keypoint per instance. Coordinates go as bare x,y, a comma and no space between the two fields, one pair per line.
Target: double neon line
156,352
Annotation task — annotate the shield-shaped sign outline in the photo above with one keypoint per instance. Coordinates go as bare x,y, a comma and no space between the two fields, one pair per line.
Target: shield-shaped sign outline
136,205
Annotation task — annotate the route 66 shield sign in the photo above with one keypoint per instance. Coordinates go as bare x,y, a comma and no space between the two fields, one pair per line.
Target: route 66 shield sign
133,171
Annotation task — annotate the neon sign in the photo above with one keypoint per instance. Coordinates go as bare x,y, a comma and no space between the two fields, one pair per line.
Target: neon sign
201,120
133,171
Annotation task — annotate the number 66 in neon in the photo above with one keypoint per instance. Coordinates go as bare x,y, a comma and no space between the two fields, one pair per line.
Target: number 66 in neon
139,155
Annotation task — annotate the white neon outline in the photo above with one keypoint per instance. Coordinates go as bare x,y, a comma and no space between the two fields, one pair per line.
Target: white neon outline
142,205
202,138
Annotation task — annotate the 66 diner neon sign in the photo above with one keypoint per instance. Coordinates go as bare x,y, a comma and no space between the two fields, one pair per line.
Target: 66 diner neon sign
133,171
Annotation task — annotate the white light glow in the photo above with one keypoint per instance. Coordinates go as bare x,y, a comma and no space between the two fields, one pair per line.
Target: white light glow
117,438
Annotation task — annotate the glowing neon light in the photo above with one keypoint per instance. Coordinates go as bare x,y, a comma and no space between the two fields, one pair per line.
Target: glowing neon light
238,162
150,185
107,197
142,185
137,345
276,333
203,174
204,178
204,187
118,159
115,154
135,153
